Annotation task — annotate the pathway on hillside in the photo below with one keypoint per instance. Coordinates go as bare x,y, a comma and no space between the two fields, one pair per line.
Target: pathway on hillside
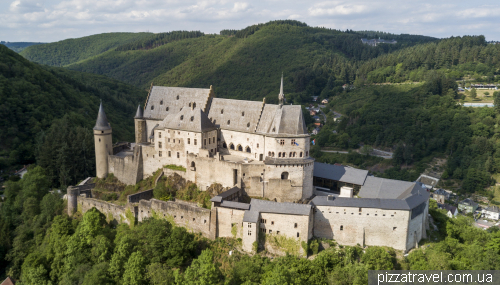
375,152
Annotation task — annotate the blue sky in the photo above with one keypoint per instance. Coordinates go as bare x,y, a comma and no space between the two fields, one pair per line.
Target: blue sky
54,20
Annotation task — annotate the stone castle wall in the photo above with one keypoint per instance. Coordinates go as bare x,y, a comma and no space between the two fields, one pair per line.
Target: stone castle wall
114,214
227,219
127,169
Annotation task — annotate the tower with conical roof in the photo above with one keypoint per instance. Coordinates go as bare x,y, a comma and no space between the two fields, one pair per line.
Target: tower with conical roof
103,143
281,96
140,126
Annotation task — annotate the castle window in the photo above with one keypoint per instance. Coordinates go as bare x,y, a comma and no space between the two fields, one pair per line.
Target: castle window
177,97
283,154
159,135
204,221
204,141
394,228
272,154
341,228
284,175
222,111
257,145
249,225
224,145
228,122
178,155
209,140
173,140
272,222
99,140
159,153
190,104
240,148
248,125
193,164
307,153
263,221
277,232
247,149
274,130
152,107
194,105
159,144
169,154
282,142
243,113
161,102
192,118
193,219
279,154
213,139
295,226
215,121
168,109
300,154
293,142
263,230
189,141
269,154
102,132
168,140
297,234
291,154
180,109
182,217
195,141
182,117
360,209
249,233
231,146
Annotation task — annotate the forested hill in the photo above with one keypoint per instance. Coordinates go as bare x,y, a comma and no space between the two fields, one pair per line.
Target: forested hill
73,50
40,104
239,63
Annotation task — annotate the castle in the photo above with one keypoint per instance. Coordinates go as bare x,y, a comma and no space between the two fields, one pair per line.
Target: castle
256,149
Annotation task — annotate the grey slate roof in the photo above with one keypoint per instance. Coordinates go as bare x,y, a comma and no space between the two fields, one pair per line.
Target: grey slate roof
340,173
140,113
492,209
260,206
288,120
235,205
242,115
440,192
162,97
102,123
189,119
376,187
448,207
468,202
225,194
389,204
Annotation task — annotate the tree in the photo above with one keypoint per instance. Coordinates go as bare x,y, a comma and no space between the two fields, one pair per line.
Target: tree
134,273
473,93
496,100
202,270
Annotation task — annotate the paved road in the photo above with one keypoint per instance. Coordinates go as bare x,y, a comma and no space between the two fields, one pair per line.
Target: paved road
375,152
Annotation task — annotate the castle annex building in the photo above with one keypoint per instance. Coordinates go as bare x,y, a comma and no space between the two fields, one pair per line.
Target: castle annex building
257,149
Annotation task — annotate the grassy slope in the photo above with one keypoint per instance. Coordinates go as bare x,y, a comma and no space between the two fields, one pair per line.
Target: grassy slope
73,50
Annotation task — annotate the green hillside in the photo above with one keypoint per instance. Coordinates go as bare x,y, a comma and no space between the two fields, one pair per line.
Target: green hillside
18,46
73,50
245,63
42,109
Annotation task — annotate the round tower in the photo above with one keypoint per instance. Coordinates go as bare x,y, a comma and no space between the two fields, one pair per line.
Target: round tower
103,143
72,195
140,126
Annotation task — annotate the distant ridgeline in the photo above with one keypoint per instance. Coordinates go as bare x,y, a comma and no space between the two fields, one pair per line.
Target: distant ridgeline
156,40
18,46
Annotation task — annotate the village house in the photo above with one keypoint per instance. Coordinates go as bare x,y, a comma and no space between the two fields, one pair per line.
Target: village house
491,212
467,206
451,211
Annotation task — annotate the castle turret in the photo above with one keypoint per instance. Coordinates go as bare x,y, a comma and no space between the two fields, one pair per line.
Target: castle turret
72,195
103,143
140,126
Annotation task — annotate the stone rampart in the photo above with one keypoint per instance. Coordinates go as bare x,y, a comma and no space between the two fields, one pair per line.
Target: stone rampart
185,214
128,169
114,214
144,195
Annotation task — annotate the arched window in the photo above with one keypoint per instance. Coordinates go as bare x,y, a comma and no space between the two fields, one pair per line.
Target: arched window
231,146
222,111
269,154
272,154
152,107
247,149
291,154
224,145
161,102
284,175
168,109
192,164
279,154
300,154
194,105
177,97
240,148
228,122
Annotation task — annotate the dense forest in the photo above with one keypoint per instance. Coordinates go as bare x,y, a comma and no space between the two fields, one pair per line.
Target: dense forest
40,244
18,46
48,113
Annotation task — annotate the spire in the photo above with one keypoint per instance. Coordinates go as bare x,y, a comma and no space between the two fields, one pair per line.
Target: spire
281,96
140,113
102,121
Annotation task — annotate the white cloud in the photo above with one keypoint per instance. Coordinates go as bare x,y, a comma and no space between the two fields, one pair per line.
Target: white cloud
51,20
